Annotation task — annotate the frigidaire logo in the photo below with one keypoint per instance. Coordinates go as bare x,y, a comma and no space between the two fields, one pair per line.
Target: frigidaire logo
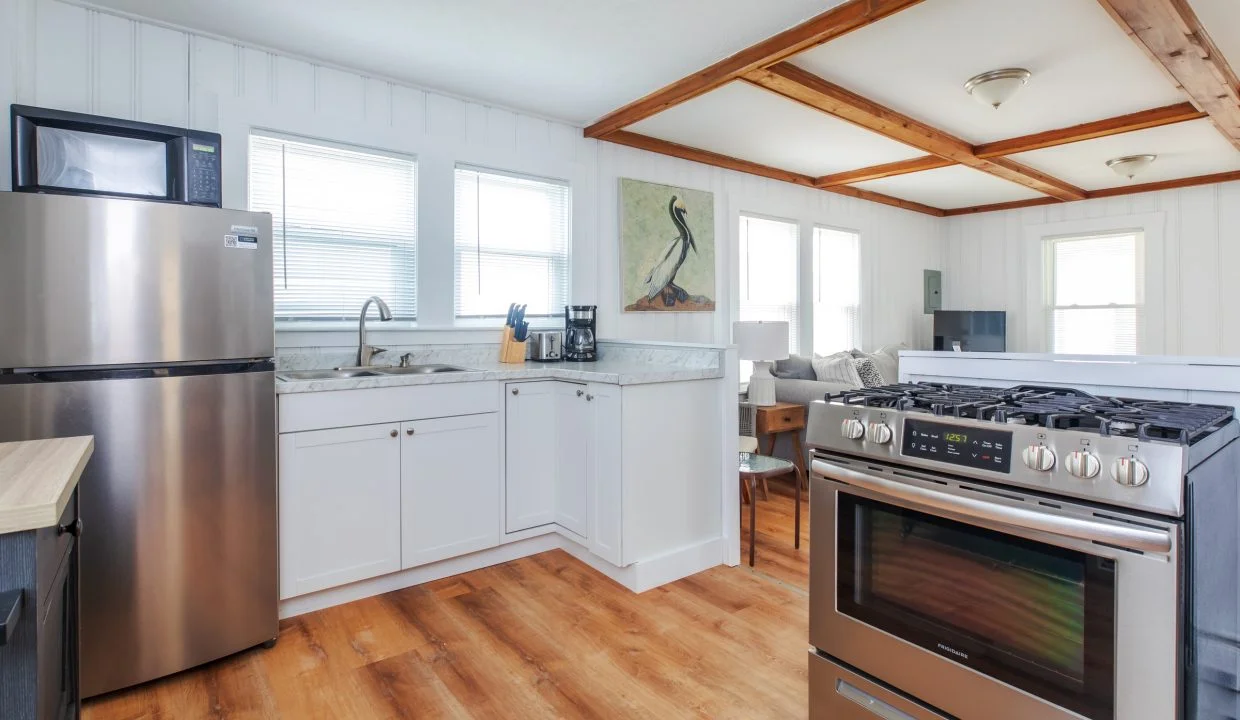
953,651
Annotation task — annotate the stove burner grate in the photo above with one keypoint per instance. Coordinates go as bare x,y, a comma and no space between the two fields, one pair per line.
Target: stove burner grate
1051,407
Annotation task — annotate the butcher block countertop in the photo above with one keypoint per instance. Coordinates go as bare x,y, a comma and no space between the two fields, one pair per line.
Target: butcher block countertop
37,478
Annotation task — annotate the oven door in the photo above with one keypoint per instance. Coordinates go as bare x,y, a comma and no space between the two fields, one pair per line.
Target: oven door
985,602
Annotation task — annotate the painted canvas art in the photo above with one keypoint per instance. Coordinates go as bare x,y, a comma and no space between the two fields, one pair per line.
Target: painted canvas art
667,248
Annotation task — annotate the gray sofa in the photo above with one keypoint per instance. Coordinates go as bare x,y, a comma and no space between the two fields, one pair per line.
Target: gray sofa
794,387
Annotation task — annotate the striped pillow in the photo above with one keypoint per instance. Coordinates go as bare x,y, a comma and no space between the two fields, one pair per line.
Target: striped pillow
837,368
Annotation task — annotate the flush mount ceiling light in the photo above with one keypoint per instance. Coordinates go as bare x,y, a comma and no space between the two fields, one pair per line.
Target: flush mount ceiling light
997,86
1130,166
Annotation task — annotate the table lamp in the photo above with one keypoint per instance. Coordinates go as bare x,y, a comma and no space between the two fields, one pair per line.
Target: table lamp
763,342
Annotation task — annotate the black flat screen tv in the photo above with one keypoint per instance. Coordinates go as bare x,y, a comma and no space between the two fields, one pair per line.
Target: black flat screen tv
970,330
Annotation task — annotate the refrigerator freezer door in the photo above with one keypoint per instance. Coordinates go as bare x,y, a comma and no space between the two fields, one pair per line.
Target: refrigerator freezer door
99,281
179,513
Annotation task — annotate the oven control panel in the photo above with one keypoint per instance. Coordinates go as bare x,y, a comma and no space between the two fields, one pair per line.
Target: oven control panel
974,447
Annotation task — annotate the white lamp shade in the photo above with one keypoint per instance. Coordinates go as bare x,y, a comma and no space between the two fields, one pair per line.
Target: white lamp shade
761,340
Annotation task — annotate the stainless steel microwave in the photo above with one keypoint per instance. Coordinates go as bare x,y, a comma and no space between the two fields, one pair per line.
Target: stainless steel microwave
65,152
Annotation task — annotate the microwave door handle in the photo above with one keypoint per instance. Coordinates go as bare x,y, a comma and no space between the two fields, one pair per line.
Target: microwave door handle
1130,538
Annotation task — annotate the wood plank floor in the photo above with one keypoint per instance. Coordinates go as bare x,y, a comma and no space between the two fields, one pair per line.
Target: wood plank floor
541,637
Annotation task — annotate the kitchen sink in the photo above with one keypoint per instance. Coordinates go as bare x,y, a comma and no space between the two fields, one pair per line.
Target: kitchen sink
337,374
419,369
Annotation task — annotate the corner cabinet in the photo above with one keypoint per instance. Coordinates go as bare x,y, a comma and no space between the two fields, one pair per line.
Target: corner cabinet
449,487
563,454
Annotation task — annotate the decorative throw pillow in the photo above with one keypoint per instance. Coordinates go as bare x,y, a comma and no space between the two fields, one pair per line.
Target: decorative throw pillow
887,358
796,367
867,370
837,368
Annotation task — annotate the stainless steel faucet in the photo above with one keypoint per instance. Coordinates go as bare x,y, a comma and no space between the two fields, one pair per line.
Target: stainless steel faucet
365,353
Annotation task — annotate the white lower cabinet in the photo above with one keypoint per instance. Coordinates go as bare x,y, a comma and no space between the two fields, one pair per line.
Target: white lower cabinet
530,454
604,479
571,439
340,518
449,487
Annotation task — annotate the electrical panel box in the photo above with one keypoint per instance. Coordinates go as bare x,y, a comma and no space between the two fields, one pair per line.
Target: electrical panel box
933,290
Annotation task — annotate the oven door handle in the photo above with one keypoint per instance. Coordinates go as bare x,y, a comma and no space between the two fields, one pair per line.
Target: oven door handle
1130,538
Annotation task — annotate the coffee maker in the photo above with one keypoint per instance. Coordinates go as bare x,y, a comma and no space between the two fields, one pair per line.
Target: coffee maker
579,337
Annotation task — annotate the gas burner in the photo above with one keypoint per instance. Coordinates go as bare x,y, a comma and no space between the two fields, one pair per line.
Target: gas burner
1051,407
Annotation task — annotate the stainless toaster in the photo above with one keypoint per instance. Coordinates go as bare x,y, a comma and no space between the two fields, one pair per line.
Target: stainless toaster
547,346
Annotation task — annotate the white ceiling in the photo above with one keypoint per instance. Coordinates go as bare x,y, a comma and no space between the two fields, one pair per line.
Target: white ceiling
950,187
750,123
570,59
1184,150
917,61
1221,19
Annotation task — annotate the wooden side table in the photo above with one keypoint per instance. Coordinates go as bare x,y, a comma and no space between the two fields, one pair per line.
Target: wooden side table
780,418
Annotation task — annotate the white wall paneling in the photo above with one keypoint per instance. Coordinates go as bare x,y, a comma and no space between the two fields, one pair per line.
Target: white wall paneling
1192,266
75,57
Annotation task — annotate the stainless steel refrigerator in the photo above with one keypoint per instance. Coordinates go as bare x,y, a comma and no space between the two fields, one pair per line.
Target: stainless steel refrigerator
149,326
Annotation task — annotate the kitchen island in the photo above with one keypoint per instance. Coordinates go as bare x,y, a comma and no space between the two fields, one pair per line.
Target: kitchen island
39,526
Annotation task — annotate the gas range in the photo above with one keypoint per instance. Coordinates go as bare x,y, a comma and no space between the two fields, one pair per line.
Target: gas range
1063,441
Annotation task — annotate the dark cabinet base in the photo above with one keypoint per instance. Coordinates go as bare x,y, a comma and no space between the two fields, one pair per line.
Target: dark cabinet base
39,643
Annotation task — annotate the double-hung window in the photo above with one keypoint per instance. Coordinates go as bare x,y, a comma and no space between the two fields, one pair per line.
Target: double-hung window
1094,284
344,226
512,241
837,290
768,273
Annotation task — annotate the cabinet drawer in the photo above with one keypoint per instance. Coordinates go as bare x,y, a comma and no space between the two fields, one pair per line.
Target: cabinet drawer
780,418
345,408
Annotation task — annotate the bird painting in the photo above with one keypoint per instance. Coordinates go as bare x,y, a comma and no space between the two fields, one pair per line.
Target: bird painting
667,248
661,278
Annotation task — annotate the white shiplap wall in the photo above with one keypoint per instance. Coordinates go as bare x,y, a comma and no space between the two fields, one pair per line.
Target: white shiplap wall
1196,274
68,56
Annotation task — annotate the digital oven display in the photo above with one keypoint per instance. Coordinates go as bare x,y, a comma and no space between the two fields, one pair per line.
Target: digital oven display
984,449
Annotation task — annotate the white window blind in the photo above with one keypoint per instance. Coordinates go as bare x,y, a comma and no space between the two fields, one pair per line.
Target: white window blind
344,227
768,273
1095,287
511,244
837,290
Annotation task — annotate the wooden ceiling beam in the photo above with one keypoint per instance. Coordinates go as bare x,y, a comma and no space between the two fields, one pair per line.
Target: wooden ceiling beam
797,84
1142,120
829,25
877,172
684,152
1169,32
1106,193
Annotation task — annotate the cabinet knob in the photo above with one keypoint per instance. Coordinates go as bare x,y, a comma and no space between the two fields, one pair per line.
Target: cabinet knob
580,393
74,528
515,391
589,397
393,433
409,431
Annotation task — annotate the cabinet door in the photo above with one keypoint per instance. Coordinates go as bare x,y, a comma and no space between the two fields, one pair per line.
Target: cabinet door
530,455
604,458
449,487
339,507
572,435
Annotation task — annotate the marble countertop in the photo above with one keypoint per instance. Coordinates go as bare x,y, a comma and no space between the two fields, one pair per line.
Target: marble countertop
37,478
604,371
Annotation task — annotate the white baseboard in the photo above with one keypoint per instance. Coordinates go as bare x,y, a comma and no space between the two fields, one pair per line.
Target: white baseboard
638,577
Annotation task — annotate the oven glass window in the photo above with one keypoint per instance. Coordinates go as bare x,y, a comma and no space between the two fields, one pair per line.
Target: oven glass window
1036,616
76,160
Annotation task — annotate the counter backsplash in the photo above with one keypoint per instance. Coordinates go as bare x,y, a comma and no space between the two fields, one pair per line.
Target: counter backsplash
316,358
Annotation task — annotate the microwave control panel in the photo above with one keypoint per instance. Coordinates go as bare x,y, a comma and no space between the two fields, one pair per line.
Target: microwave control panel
973,447
202,172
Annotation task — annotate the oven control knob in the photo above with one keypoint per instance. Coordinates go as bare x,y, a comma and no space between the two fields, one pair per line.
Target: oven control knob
1039,458
1084,464
852,429
1130,471
879,433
